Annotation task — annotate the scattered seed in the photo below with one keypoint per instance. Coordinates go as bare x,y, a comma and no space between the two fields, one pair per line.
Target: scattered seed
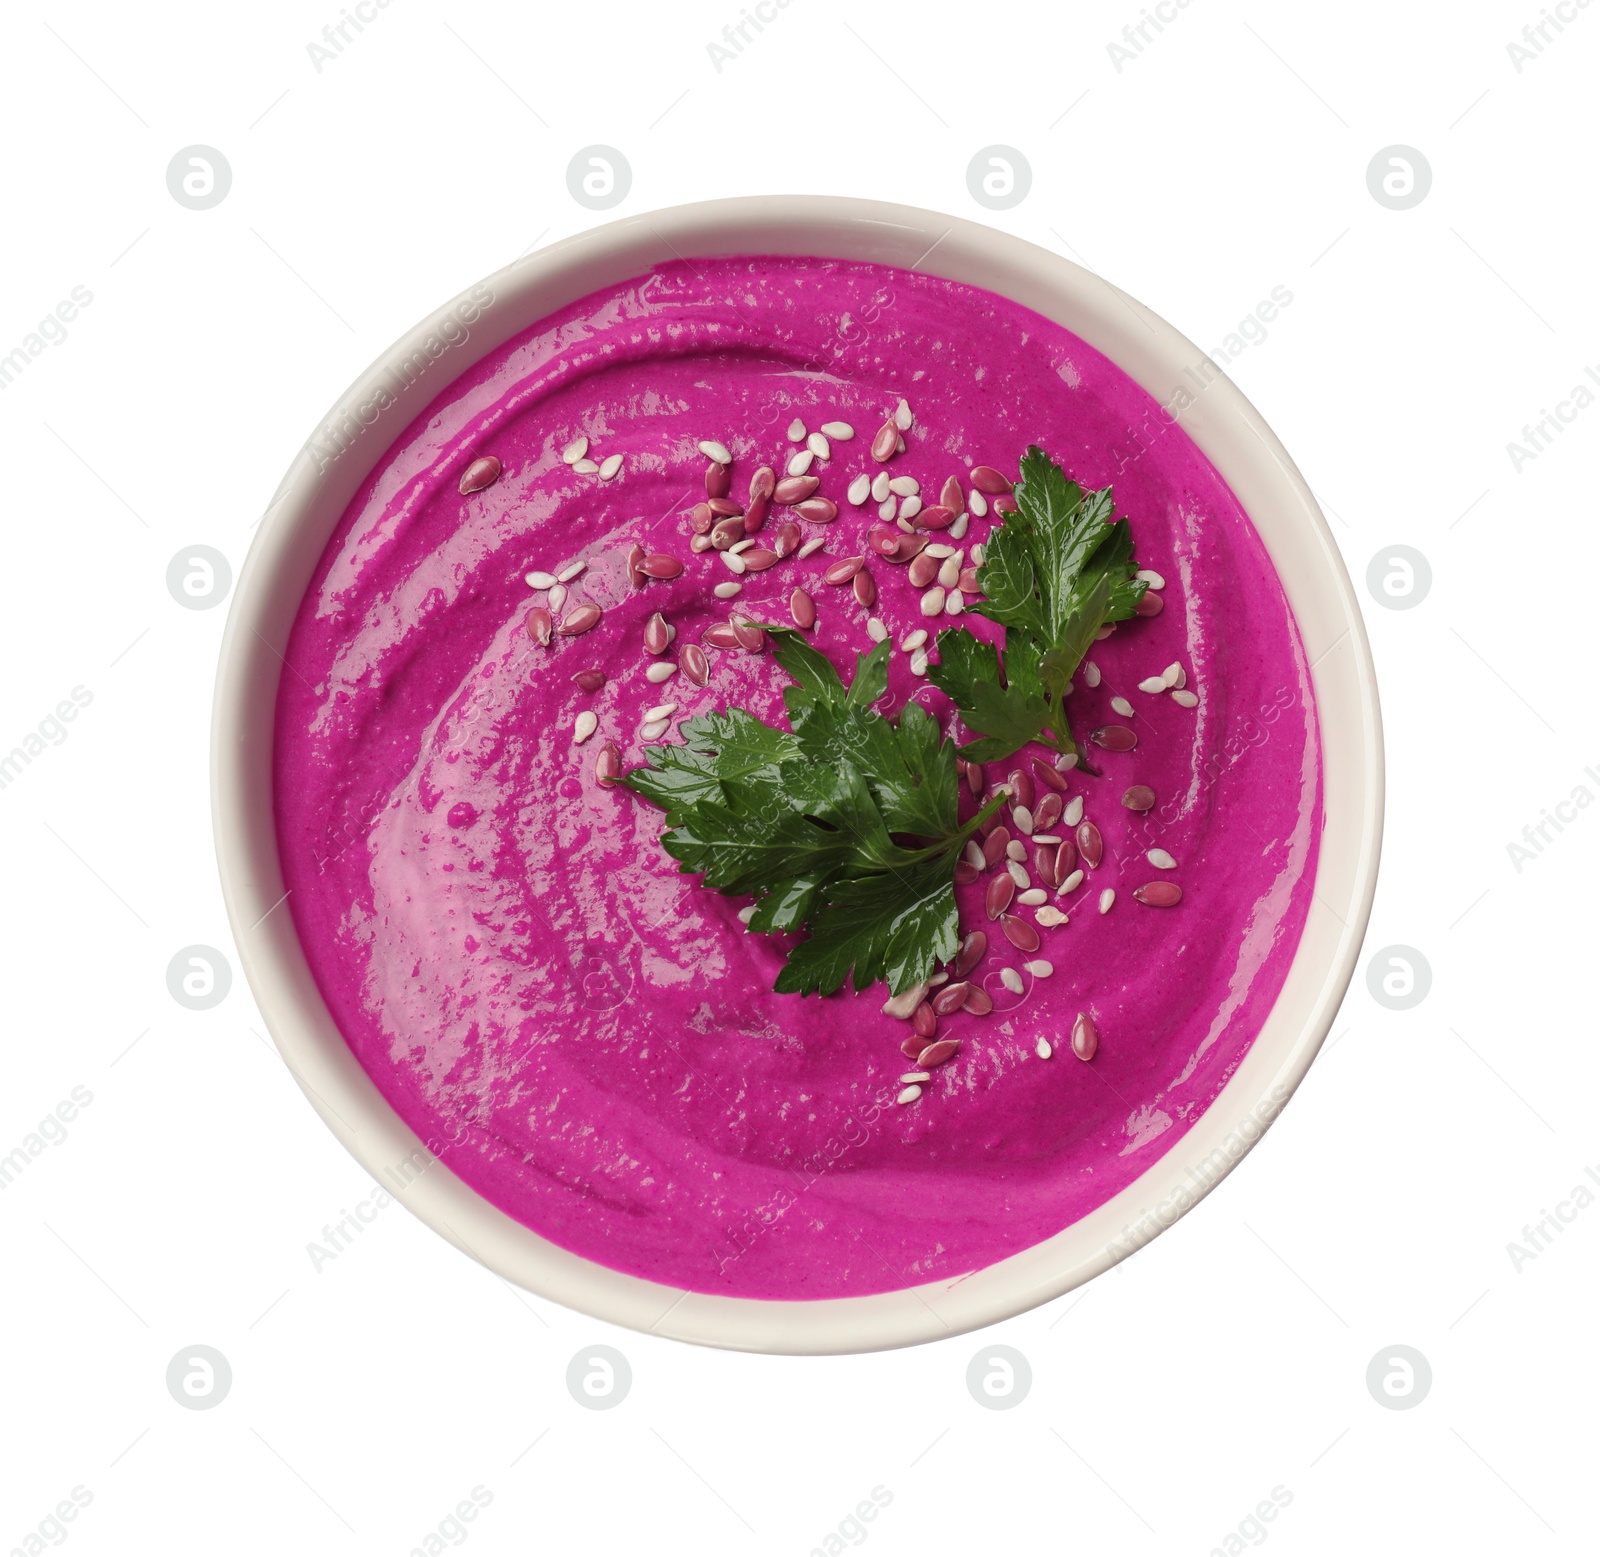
579,620
977,504
1005,505
1047,812
1020,933
787,538
1012,980
1107,898
1049,917
919,663
1185,699
1102,633
1073,814
819,510
1122,706
912,1078
695,664
479,474
803,609
818,445
973,854
1153,684
656,635
924,1021
584,726
575,450
1161,859
950,571
1085,1036
654,731
1070,883
662,670
1090,844
987,479
842,571
1017,850
932,602
1150,604
1151,577
727,589
914,640
734,562
608,764
660,711
997,897
797,431
1159,894
1138,797
910,507
885,442
887,508
557,597
715,451
1115,737
909,1094
584,467
539,580
814,545
905,486
757,559
901,1006
799,464
902,416
609,466
1033,897
951,998
1042,1049
699,543
537,621
940,1053
661,566
1044,866
590,680
876,631
859,489
1022,819
977,1002
718,479
973,947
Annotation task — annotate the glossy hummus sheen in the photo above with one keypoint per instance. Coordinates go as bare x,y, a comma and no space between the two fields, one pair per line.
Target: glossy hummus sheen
590,1038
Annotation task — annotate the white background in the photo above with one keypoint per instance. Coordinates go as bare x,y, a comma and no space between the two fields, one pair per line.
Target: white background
1170,1397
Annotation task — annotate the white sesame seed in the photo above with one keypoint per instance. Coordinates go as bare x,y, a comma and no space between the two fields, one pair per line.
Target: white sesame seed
1107,898
747,913
950,571
1018,874
742,546
1017,850
1022,818
919,663
977,504
1042,1049
716,451
886,508
557,597
699,543
1012,980
909,1095
1072,814
1161,859
1067,762
978,555
902,416
905,486
1049,917
811,547
575,450
727,589
1152,684
1040,967
1185,699
910,507
936,979
876,631
662,670
1122,706
1066,691
570,572
799,463
818,445
973,855
585,467
1047,838
939,549
912,1077
732,561
654,731
958,529
859,489
932,602
797,431
905,524
586,724
914,640
609,466
880,486
841,430
955,603
1071,884
1152,578
540,580
1174,677
1033,897
659,712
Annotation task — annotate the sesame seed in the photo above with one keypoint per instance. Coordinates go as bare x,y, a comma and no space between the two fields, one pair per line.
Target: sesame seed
859,489
1049,917
739,547
919,663
912,1077
1043,1049
910,507
1185,699
715,451
1017,850
609,466
585,726
880,486
1022,819
909,1095
1161,859
575,450
1151,577
841,430
1017,873
662,670
932,602
1073,813
1071,884
1012,980
659,712
811,547
799,463
1107,898
797,432
732,561
558,596
977,504
1173,675
902,416
1046,838
1122,706
541,580
914,640
876,631
727,589
1067,762
1032,898
955,603
1153,684
958,529
887,507
818,445
1040,967
651,732
585,467
570,572
747,913
905,486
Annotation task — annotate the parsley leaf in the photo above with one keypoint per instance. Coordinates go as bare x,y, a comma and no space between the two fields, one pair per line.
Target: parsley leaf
844,826
1054,573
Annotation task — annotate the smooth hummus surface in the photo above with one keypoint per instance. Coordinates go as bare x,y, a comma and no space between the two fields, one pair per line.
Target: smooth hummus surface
590,1038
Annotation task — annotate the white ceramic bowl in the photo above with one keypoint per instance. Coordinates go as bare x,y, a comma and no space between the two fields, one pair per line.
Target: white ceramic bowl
1222,422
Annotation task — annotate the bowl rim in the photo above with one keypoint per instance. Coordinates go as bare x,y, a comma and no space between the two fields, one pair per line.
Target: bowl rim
381,403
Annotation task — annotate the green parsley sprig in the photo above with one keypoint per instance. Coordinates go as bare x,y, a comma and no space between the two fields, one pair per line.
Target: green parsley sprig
844,825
